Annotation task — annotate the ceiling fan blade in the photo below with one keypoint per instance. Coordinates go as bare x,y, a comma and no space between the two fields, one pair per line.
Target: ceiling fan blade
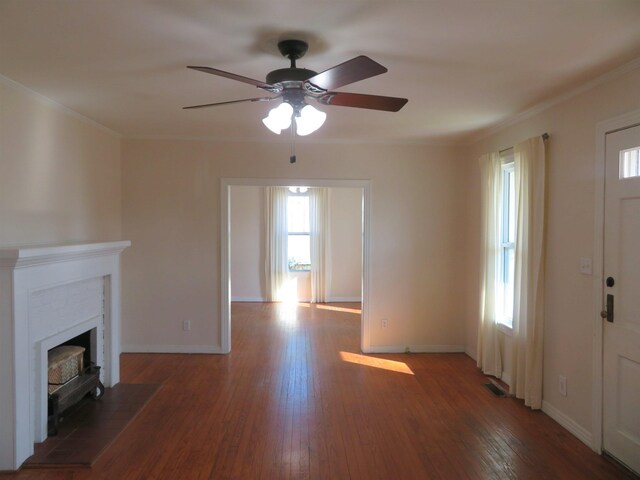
358,100
257,99
354,70
233,76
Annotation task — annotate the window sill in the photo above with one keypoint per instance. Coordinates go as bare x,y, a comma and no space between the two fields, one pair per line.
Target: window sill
506,329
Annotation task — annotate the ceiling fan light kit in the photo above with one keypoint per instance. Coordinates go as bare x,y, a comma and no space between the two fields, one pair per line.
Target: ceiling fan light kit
295,86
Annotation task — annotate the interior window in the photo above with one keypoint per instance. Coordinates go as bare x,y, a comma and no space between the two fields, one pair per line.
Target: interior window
506,258
298,229
630,163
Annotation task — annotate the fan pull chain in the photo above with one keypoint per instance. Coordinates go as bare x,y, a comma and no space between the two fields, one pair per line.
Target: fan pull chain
292,158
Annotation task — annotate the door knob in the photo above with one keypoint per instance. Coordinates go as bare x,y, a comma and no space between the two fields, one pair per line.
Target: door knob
610,282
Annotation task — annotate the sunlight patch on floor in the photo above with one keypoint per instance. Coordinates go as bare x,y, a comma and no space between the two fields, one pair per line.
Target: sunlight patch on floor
374,362
322,306
339,309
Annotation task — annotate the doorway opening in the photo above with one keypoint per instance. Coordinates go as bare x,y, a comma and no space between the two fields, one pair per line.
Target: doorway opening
254,289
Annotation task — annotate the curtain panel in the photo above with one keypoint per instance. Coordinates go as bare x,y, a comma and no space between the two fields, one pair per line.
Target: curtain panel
528,318
319,243
489,355
276,242
525,360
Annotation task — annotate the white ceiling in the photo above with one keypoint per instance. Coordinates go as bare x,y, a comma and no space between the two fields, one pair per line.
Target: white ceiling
464,65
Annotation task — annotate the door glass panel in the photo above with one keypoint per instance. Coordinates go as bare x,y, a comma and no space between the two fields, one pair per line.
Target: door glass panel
630,163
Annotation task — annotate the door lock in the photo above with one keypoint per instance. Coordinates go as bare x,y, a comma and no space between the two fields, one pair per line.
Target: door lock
608,312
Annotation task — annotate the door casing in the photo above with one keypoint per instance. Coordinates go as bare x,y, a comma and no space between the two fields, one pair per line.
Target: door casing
225,257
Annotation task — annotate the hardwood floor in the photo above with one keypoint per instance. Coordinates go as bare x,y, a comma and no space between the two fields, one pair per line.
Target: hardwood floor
295,399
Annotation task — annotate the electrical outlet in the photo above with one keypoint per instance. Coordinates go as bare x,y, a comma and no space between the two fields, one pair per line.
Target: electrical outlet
562,385
186,326
585,266
385,322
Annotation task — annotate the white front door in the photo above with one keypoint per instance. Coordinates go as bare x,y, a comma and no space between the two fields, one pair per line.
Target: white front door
621,395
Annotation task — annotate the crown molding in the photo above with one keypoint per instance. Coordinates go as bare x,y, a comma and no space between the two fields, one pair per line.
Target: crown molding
55,105
563,97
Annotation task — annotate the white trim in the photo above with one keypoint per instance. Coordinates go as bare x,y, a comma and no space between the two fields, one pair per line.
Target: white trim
627,120
248,299
57,106
541,107
415,349
207,349
32,255
329,300
225,256
471,354
575,429
344,300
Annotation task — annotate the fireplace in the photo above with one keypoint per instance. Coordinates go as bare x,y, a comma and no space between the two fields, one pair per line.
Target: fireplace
48,296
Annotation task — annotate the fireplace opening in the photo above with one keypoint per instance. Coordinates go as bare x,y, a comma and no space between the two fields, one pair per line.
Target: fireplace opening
72,375
84,340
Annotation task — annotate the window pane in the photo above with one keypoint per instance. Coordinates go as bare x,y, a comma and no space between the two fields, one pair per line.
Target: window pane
506,317
506,286
298,213
512,207
299,252
630,163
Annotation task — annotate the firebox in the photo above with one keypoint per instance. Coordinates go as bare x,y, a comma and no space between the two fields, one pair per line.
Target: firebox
72,375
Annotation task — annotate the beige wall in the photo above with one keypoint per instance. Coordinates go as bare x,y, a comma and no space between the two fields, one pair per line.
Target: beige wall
59,174
346,244
171,212
246,223
571,180
247,231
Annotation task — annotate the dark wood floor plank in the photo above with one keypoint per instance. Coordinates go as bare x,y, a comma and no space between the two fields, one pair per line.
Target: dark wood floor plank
286,405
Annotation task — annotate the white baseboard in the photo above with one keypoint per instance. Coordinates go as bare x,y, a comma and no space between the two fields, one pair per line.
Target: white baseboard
578,431
471,353
303,300
415,349
172,349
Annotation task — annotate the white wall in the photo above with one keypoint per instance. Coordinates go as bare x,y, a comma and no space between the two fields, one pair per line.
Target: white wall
59,174
346,244
569,303
247,237
247,259
171,212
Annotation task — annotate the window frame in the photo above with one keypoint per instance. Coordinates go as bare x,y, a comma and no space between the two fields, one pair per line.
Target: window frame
506,242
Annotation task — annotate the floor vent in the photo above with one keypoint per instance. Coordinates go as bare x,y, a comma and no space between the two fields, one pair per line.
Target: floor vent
497,391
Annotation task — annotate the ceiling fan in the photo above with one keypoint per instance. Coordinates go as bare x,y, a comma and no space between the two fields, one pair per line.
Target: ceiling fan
297,85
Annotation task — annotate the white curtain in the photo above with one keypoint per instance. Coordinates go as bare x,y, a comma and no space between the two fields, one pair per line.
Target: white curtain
320,243
489,355
276,239
528,318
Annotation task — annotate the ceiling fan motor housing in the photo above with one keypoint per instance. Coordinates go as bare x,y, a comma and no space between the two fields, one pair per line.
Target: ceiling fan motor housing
292,49
289,75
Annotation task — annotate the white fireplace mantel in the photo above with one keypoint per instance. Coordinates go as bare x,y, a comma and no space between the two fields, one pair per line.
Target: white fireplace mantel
50,294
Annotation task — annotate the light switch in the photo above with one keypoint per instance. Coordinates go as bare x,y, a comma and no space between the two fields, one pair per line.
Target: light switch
585,266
